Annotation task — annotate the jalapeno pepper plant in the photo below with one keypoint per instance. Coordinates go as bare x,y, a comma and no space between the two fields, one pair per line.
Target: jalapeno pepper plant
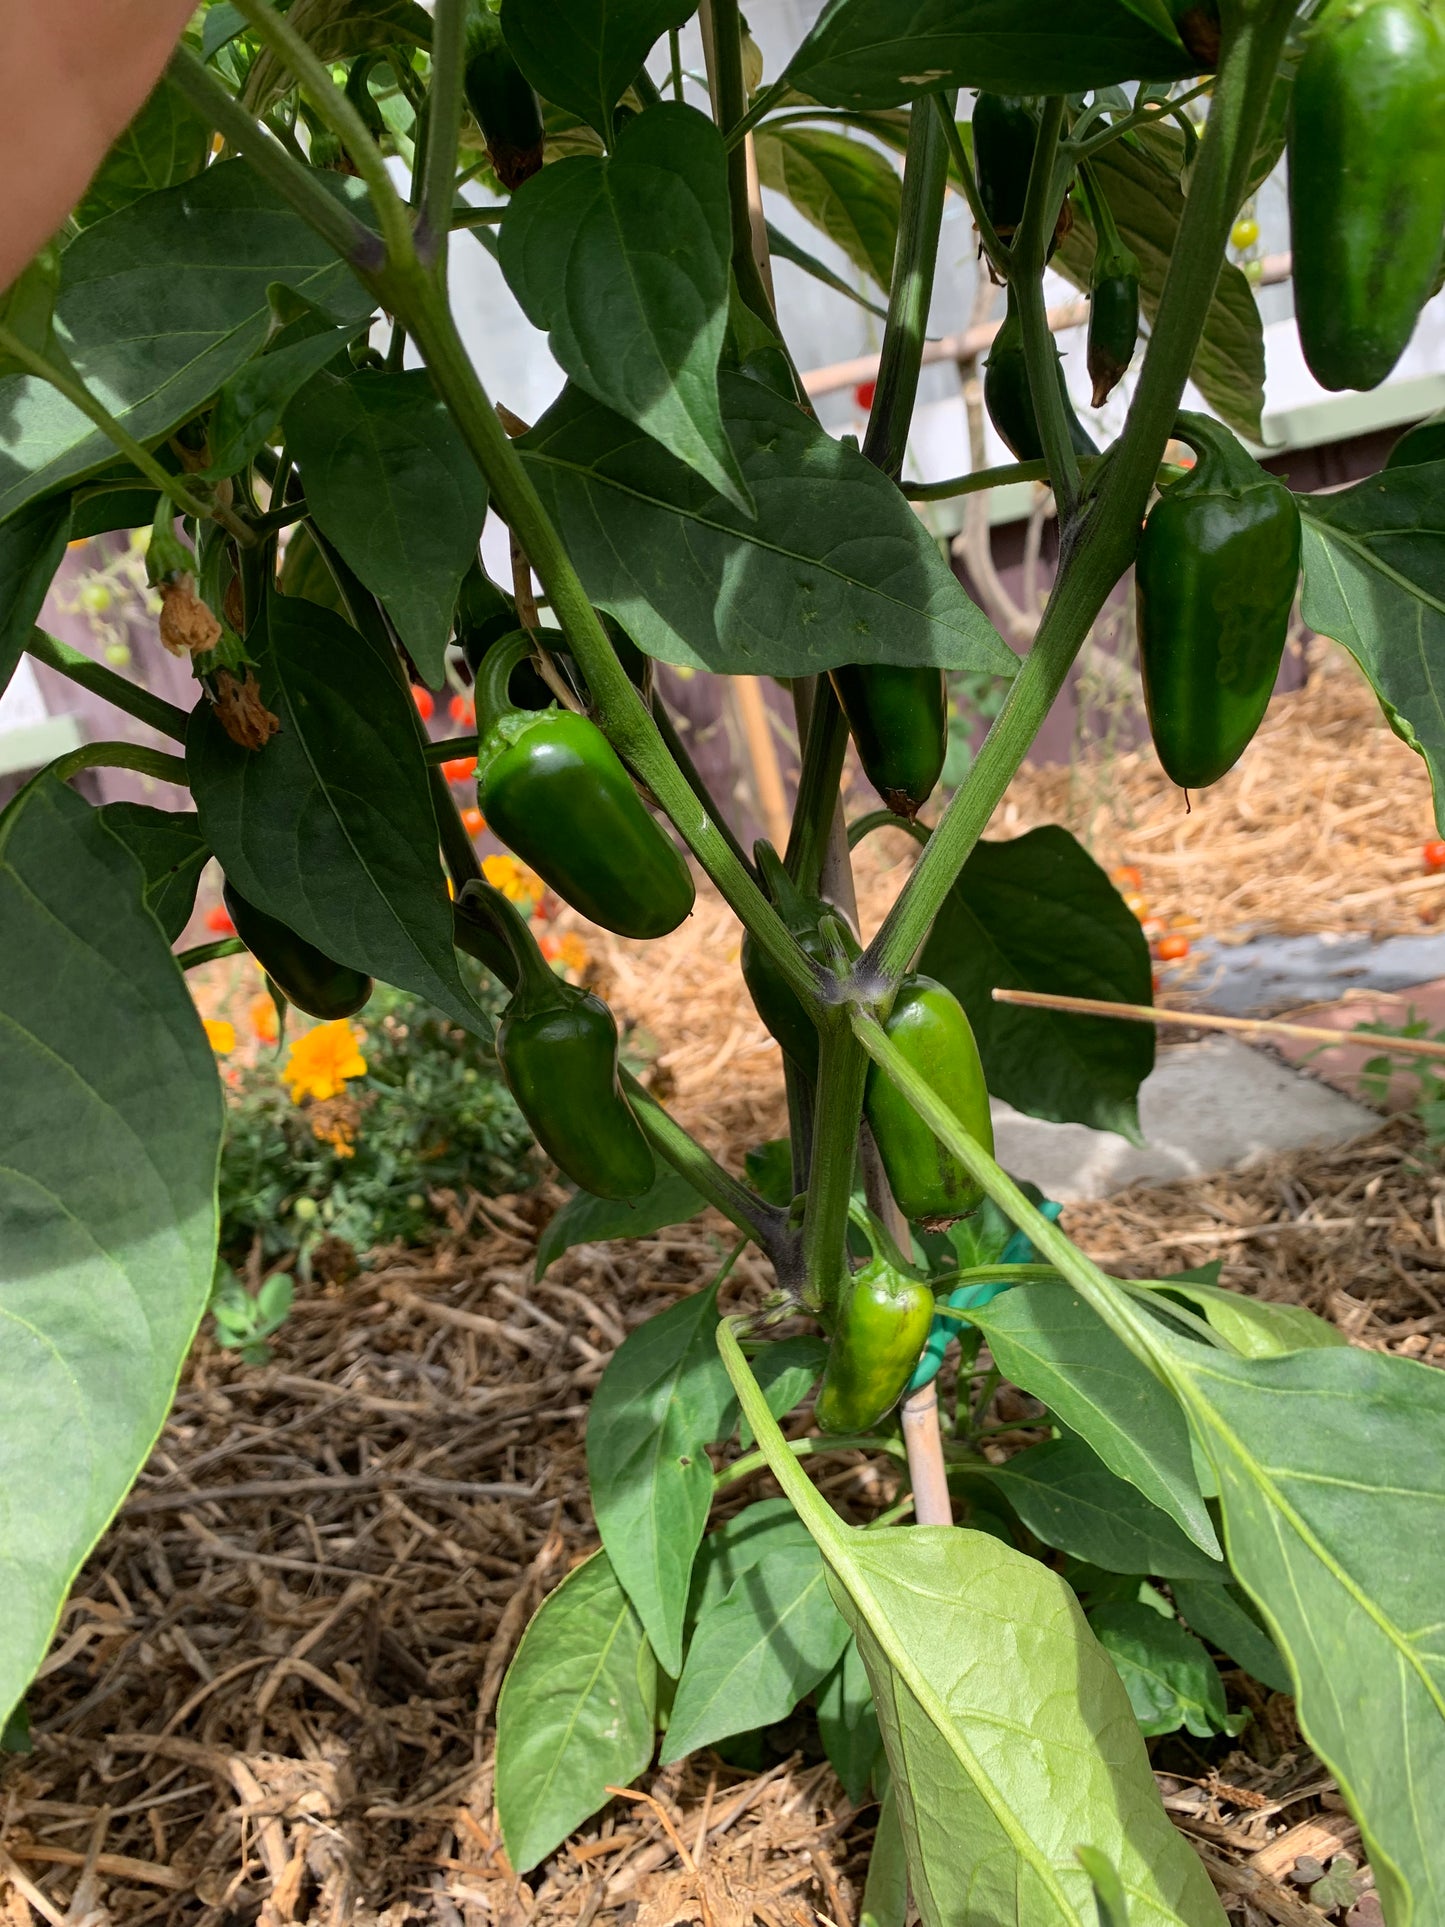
243,341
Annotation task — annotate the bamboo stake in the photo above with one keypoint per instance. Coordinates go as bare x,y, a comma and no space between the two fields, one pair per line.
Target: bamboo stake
1199,1020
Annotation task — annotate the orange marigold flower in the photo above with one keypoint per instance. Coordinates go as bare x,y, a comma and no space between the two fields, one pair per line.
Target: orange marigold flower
220,1035
321,1060
572,952
263,1019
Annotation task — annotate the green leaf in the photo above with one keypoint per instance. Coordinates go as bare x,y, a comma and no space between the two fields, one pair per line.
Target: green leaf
107,1199
970,1646
1109,1896
1255,1327
335,30
767,1642
624,261
1216,1615
662,1400
849,191
787,1370
1037,913
1047,1341
783,247
836,568
1332,1485
157,306
1374,580
1140,177
1068,1498
583,54
848,1725
1171,1679
171,851
767,1526
390,481
32,548
879,53
768,1168
165,144
330,827
252,402
586,1220
1155,14
576,1713
885,1890
222,24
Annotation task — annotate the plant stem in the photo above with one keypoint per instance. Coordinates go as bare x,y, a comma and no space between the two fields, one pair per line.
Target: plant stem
674,55
444,121
459,853
148,762
750,1213
100,681
739,129
886,820
981,478
1026,283
297,184
1140,117
842,1070
722,39
824,734
994,249
392,215
678,750
1105,536
910,291
204,953
809,1448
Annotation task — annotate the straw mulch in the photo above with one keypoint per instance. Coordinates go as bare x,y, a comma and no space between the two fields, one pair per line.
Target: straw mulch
271,1699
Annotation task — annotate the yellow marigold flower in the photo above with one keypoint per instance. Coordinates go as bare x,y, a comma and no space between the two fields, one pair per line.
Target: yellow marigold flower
515,881
321,1060
572,952
220,1035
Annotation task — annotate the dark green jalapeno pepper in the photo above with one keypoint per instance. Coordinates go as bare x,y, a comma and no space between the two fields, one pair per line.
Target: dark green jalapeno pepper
304,975
1425,442
1215,578
554,790
773,998
899,723
1009,401
502,101
557,1047
881,1326
1005,131
930,1027
1367,183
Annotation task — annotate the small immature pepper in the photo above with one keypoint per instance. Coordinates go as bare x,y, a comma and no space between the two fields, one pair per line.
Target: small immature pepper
552,787
899,722
930,1027
502,101
773,998
880,1328
304,975
1215,578
1009,399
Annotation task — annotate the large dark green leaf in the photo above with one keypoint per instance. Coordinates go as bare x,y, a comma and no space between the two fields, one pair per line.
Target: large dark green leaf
251,403
32,547
107,1198
1140,177
1170,1678
1374,580
663,1398
846,189
769,1640
585,1220
624,261
1008,1731
583,54
330,826
1332,1484
172,852
1045,1339
1037,913
879,53
575,1714
391,482
1069,1498
158,305
837,568
1217,1615
165,144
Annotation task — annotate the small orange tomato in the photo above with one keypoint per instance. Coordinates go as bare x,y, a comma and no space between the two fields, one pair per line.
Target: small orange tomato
472,822
1137,904
1171,949
1126,877
863,394
423,700
218,920
460,769
463,712
1434,855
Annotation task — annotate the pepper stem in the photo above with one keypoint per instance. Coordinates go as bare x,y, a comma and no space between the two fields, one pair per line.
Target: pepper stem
493,681
538,985
1223,460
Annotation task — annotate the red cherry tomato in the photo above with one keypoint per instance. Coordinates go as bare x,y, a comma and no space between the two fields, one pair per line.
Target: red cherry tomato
423,700
463,712
1171,949
460,769
1434,855
218,920
472,822
863,394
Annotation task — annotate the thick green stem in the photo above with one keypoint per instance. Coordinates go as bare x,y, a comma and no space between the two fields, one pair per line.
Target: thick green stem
842,1070
1041,211
147,762
1102,544
824,733
444,120
925,178
100,681
678,750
